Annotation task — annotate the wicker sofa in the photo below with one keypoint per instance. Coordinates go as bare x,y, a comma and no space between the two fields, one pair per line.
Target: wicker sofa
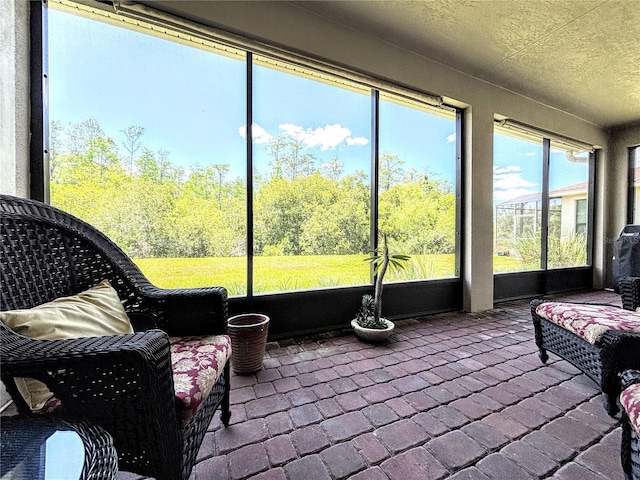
123,383
615,349
630,419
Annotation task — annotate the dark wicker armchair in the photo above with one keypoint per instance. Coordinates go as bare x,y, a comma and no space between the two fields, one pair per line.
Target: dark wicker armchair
122,383
601,361
630,443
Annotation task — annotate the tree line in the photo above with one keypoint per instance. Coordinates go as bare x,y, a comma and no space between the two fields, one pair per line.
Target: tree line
152,207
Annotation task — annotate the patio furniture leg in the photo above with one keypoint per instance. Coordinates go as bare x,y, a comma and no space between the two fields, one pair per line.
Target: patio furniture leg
226,409
542,355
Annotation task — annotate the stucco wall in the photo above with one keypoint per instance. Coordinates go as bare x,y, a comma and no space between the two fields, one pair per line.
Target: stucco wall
14,97
14,104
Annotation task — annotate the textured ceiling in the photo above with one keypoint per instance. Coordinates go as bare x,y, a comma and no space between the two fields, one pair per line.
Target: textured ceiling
581,56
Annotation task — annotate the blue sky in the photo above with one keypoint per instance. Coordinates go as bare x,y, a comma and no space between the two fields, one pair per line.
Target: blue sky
518,168
191,103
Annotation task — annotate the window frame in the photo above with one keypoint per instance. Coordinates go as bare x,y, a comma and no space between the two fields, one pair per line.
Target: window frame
322,309
582,205
511,285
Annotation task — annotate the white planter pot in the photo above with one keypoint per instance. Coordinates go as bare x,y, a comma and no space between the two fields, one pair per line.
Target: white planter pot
373,335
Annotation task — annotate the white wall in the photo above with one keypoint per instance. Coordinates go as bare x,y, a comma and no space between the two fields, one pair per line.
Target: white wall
14,105
14,97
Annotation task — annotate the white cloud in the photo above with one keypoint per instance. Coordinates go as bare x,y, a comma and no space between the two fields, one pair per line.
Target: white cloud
508,169
510,194
508,183
357,141
451,138
260,135
327,137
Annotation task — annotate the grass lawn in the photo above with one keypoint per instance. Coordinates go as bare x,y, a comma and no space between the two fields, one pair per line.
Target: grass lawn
288,273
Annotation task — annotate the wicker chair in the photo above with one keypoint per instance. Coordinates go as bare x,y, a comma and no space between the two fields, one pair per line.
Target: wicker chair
123,383
601,361
630,443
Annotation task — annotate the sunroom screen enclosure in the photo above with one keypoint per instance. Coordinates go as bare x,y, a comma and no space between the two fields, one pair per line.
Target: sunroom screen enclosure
543,197
152,146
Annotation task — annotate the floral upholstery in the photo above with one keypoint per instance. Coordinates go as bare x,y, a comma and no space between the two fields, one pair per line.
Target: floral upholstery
589,321
52,405
630,401
197,364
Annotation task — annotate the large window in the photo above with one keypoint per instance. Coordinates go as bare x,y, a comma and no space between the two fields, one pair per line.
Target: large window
149,142
568,201
311,173
538,223
517,190
145,146
417,179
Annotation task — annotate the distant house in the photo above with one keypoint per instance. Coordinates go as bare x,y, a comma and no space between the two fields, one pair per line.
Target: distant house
521,216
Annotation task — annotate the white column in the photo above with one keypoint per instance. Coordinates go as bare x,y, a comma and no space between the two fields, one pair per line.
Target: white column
478,225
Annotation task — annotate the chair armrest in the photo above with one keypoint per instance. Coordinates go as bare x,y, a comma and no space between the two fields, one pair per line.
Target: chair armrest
630,292
78,368
110,380
25,357
114,381
187,311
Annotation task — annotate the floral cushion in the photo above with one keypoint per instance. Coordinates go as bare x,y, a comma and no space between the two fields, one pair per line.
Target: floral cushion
197,364
589,321
630,401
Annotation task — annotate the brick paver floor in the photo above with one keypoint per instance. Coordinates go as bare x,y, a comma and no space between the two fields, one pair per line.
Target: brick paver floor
453,395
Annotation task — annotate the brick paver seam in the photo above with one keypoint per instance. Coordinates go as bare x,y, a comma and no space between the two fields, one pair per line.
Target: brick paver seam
558,382
488,450
572,457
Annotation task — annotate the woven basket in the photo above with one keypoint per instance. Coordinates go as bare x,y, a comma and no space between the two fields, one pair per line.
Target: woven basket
248,333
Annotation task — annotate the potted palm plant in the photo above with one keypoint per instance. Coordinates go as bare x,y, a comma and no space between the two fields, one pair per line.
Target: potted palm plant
369,324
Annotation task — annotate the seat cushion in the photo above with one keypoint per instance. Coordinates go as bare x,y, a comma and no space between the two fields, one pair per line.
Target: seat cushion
630,401
589,322
95,312
197,365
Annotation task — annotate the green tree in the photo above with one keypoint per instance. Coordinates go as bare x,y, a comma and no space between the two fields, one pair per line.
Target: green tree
79,134
147,167
220,170
391,171
419,217
132,142
333,169
288,159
